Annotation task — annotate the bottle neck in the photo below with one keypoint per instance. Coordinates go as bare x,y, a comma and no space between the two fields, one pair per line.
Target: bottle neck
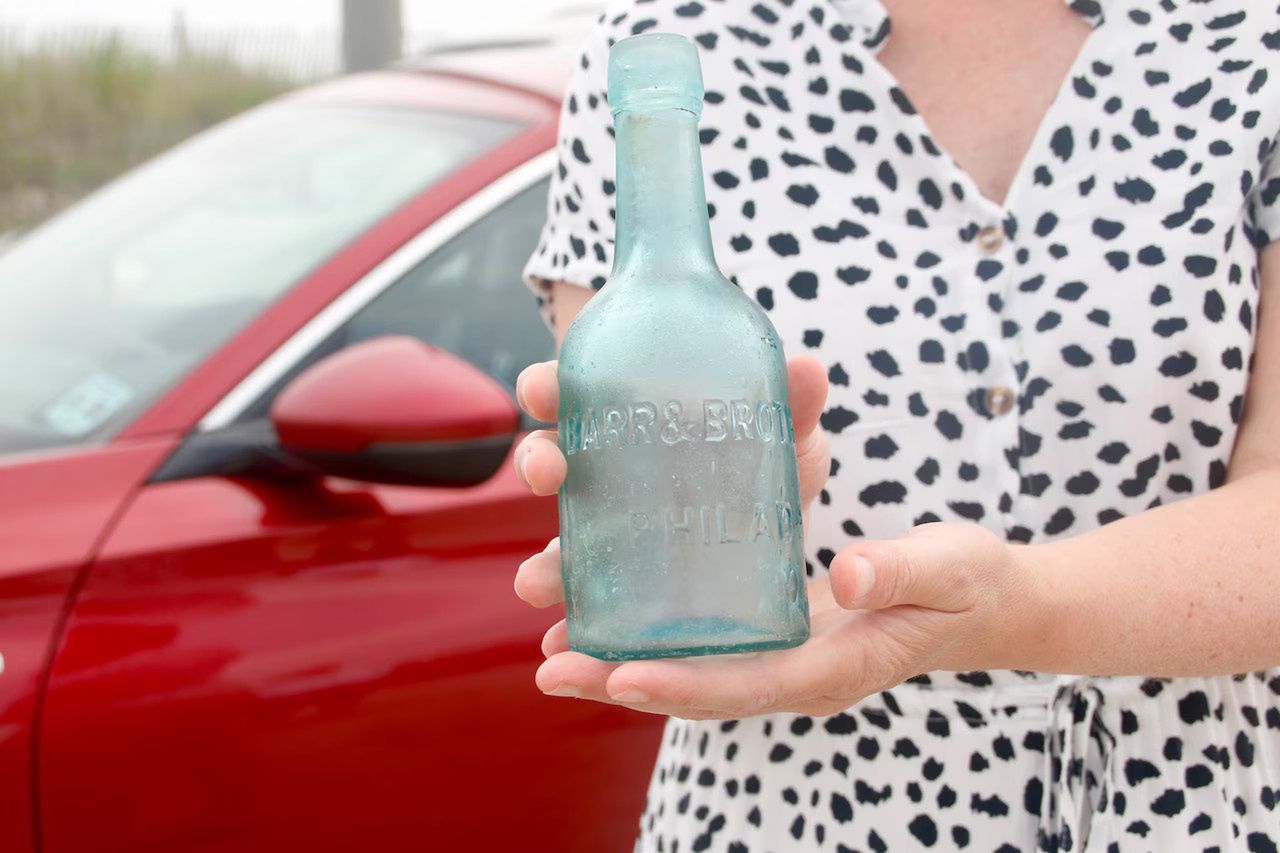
662,224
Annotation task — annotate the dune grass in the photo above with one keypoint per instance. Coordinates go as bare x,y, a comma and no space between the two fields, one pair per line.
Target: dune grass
71,121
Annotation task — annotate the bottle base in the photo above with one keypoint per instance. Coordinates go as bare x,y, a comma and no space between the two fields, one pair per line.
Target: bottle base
691,638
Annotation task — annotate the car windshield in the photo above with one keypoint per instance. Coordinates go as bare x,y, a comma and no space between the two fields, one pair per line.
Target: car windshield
106,306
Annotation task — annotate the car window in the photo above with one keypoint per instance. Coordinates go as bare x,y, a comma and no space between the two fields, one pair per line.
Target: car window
466,297
107,305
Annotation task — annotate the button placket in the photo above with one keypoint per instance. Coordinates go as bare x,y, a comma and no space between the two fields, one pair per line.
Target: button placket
998,399
1002,398
992,249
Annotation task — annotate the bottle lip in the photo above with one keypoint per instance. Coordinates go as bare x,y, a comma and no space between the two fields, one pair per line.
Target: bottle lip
654,71
654,101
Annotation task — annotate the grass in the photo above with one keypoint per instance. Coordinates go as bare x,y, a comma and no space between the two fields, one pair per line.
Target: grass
69,122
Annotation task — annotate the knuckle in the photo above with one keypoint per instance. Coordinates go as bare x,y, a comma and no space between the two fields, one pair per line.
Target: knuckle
689,711
764,696
771,687
686,696
853,678
966,580
928,529
765,692
902,577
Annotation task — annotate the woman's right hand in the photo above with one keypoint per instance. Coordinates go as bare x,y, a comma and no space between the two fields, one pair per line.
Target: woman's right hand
541,466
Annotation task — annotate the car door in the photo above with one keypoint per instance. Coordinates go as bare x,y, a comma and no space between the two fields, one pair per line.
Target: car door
322,664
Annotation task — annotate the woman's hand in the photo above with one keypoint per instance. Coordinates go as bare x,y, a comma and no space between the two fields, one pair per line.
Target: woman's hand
936,598
890,609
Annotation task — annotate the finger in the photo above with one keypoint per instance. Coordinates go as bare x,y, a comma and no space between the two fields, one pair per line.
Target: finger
575,674
582,679
538,580
934,572
807,388
538,390
813,466
729,685
539,463
556,640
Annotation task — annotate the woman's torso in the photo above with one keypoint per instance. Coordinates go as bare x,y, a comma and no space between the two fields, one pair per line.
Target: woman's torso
1070,356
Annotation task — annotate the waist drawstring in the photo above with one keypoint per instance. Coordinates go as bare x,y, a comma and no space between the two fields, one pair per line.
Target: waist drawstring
1076,741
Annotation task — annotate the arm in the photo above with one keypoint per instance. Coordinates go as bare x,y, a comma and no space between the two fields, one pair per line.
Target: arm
568,300
1188,588
1193,587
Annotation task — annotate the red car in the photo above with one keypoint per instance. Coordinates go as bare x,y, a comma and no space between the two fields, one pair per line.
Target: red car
258,527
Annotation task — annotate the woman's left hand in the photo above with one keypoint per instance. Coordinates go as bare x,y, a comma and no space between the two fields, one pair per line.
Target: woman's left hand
944,596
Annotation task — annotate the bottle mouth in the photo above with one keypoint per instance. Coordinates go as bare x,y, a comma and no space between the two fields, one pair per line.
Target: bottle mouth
654,71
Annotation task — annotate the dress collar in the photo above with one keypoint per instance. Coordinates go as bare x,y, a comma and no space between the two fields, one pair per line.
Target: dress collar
868,20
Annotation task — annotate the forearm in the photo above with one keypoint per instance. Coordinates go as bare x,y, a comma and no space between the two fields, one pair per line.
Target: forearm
1191,588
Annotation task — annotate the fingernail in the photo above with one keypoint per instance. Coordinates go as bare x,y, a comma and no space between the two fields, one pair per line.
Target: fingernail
564,690
632,696
521,454
520,390
864,577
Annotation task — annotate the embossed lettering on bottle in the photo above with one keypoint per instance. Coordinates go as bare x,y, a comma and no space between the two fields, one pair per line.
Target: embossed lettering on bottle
628,425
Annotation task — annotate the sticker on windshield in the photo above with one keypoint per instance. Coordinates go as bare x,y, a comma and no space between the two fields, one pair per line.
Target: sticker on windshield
87,405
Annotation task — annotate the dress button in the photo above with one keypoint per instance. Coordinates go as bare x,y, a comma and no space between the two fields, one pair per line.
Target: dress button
999,400
990,239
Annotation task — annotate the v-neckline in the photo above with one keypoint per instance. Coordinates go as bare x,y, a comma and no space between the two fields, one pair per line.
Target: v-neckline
1039,140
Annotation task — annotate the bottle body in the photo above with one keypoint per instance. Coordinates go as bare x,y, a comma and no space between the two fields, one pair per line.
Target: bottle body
680,518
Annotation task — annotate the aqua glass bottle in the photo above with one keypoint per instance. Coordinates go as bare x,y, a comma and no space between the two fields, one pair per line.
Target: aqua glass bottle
680,515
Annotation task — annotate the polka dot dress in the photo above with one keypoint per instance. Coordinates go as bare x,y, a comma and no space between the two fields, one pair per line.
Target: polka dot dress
1072,356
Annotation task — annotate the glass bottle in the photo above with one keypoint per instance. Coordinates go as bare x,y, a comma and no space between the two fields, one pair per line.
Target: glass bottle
680,515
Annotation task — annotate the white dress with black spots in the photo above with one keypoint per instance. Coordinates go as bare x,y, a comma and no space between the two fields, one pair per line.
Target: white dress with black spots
1075,355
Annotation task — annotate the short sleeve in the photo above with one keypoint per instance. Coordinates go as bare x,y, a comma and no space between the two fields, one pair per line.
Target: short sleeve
576,242
1264,199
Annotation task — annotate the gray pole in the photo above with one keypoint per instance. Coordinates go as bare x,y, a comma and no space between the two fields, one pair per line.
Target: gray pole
371,33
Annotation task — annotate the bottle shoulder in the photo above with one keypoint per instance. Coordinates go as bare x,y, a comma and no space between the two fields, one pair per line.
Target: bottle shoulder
708,307
671,326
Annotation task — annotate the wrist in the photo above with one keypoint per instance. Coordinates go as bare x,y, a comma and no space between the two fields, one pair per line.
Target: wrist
1029,612
1011,611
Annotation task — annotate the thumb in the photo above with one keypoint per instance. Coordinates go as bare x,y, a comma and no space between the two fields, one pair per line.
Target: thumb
926,568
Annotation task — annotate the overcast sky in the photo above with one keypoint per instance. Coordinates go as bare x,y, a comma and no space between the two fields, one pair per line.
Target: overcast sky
450,18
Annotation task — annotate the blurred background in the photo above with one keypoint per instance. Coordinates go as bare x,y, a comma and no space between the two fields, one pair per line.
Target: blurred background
261,317
91,88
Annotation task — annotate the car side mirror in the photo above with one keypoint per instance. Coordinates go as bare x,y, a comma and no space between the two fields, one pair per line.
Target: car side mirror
397,410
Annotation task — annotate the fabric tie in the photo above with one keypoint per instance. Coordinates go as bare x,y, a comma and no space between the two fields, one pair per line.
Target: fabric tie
1077,764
